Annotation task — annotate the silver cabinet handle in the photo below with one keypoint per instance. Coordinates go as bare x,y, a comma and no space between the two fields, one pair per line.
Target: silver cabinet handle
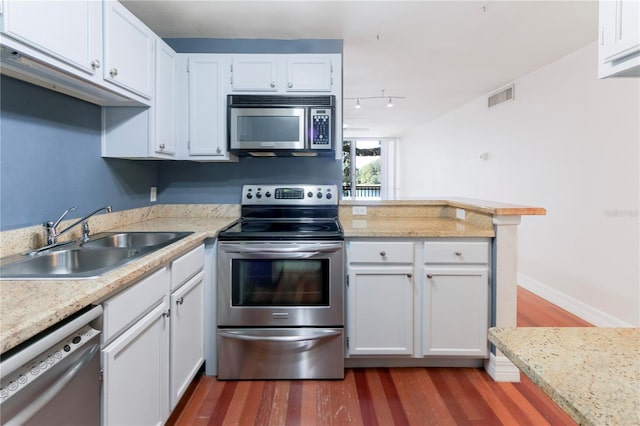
180,301
167,313
290,85
218,150
409,275
383,253
95,64
429,276
273,84
113,72
458,253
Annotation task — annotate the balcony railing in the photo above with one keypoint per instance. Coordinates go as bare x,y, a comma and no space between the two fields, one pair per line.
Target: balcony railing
362,191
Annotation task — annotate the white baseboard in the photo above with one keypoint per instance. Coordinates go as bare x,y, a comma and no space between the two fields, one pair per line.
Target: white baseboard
568,303
500,369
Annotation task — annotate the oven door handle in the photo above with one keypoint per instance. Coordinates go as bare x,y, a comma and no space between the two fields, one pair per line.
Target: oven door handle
239,335
329,248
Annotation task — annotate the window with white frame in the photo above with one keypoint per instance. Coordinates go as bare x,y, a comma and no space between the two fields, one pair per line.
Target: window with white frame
367,168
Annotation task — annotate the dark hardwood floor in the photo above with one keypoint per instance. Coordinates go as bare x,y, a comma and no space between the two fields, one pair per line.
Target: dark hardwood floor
385,396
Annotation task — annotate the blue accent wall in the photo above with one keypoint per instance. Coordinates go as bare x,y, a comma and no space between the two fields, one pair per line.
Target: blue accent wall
50,153
50,159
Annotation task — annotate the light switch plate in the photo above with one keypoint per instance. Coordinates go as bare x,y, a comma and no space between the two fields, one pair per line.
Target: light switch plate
460,214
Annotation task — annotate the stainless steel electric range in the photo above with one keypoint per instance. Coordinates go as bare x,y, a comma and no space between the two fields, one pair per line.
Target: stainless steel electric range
280,301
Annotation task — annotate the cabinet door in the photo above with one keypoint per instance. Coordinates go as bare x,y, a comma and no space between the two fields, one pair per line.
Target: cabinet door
309,73
380,306
207,112
70,31
254,73
164,102
128,50
187,335
620,22
455,311
136,371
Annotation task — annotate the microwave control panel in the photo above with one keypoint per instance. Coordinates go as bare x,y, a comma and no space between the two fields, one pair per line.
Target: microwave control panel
320,128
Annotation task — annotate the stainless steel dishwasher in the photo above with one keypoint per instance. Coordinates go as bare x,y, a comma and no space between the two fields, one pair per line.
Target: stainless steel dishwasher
54,378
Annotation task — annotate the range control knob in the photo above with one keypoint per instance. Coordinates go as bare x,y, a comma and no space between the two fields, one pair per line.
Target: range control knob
76,339
329,196
268,194
249,196
309,194
259,195
319,194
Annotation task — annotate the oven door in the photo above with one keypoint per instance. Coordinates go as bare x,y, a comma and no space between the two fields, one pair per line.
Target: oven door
287,284
271,128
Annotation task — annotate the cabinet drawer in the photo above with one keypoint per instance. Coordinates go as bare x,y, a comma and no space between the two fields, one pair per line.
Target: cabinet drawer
186,266
127,307
456,252
380,252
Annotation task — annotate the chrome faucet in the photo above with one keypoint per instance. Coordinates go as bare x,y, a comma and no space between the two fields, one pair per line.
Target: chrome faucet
51,227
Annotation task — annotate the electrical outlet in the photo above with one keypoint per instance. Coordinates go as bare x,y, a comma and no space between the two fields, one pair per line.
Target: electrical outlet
153,194
359,210
460,214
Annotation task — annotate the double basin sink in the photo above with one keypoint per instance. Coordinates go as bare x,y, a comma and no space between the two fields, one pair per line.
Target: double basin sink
86,259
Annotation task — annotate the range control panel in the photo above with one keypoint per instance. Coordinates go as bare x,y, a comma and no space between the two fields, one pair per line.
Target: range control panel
288,194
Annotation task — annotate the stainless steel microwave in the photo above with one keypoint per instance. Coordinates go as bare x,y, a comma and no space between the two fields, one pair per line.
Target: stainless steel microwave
280,125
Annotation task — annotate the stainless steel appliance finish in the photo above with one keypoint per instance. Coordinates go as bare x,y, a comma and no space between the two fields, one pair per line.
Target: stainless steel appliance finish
55,378
281,284
277,353
280,301
278,125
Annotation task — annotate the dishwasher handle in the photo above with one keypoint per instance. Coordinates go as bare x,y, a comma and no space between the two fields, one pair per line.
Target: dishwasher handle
51,392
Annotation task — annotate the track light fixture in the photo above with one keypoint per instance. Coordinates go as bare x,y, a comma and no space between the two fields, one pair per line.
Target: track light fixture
383,96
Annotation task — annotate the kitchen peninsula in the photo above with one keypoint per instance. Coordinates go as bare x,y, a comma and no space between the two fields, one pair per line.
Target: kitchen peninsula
453,262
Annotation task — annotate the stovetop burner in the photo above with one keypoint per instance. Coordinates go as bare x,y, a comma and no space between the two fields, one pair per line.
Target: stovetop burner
287,212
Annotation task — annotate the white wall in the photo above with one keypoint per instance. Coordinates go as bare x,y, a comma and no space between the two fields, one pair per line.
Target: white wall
568,142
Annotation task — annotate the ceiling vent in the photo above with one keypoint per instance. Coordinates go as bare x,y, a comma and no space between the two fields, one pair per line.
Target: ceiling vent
503,95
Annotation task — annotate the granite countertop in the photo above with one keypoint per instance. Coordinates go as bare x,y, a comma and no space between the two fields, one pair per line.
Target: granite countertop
412,227
592,373
484,206
29,307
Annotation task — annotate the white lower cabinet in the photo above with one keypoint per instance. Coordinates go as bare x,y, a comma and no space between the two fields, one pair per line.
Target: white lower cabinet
153,343
187,335
456,311
380,310
136,363
418,298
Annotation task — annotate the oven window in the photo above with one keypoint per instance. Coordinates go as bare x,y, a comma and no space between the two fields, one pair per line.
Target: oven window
280,282
268,128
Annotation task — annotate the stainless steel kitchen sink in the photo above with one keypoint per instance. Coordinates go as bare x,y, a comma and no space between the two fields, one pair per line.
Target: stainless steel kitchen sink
89,259
133,239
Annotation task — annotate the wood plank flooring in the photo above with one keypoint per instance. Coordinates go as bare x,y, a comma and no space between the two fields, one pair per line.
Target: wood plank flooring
384,396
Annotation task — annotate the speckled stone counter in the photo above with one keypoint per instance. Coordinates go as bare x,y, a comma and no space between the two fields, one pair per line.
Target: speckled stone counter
29,307
592,373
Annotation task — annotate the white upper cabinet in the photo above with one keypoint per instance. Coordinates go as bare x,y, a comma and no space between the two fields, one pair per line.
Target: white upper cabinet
92,50
258,73
69,31
128,50
164,102
281,73
309,73
619,49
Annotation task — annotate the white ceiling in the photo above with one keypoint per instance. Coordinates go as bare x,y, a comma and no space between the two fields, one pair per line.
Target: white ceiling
437,54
